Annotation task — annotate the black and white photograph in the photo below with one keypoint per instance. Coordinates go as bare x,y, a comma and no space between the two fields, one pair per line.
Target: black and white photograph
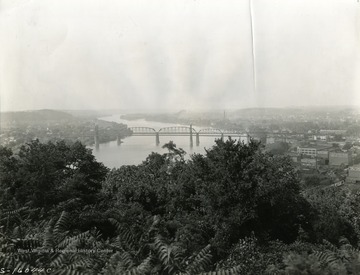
180,137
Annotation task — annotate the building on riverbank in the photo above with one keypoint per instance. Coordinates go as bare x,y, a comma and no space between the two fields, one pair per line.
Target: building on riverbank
340,158
353,174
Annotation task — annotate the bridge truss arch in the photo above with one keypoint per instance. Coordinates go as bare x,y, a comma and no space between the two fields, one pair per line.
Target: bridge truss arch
210,131
143,130
177,130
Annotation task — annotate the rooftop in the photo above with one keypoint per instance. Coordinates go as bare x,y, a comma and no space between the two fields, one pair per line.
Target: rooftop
317,147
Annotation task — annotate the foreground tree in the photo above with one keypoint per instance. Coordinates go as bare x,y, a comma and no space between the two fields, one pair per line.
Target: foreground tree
44,175
239,190
337,214
168,215
233,190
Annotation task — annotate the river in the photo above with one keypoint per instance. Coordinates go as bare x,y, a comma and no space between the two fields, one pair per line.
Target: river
135,149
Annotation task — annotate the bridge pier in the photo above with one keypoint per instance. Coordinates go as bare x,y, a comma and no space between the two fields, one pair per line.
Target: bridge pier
222,136
191,137
118,139
96,137
197,139
157,139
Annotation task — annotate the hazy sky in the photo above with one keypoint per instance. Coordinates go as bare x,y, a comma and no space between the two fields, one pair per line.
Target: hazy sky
178,54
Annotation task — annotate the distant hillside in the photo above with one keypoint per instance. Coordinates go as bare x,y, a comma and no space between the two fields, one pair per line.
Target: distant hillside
294,111
92,113
33,117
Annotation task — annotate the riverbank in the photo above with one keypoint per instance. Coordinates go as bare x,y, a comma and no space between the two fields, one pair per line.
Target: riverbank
135,149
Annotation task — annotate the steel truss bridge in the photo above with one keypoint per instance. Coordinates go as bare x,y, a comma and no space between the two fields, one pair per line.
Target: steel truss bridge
189,131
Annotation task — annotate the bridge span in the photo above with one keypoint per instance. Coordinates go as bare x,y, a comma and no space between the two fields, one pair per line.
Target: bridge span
191,132
187,131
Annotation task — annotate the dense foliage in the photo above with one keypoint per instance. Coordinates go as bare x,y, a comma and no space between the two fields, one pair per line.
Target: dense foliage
236,210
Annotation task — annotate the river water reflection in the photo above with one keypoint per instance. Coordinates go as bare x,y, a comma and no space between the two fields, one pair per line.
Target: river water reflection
135,149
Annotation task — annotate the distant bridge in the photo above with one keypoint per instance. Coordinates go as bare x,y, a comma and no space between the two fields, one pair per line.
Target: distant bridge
186,131
191,132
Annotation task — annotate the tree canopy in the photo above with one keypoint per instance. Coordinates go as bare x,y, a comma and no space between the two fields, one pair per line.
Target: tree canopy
220,197
45,174
237,209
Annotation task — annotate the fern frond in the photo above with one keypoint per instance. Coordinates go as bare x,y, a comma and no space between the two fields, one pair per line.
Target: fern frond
344,241
163,251
48,241
231,271
62,223
325,257
143,268
120,263
116,224
27,243
74,240
24,257
7,261
71,272
112,265
169,255
14,212
22,266
57,260
17,232
126,239
146,265
201,261
127,260
330,246
12,262
80,263
96,234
